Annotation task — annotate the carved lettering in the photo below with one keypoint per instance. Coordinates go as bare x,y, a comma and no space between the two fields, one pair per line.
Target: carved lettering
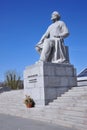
35,75
33,81
32,78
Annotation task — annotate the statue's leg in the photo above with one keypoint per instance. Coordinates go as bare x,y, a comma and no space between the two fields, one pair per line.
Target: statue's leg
60,53
45,54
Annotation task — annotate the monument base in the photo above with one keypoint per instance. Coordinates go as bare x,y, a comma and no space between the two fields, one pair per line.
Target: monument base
44,82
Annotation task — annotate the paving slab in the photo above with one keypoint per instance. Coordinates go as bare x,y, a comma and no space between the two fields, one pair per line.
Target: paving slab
8,122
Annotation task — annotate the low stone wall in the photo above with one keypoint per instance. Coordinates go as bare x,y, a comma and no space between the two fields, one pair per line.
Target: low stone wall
82,81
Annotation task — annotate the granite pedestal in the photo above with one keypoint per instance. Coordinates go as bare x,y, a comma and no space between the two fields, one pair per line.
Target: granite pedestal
44,82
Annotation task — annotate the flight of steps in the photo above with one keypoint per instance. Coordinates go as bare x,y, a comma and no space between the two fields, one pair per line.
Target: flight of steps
11,102
68,110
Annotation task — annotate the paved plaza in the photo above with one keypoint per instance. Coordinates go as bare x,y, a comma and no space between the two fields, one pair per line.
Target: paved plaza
8,122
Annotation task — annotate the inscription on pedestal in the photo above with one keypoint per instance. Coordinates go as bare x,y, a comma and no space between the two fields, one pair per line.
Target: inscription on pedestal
32,78
44,82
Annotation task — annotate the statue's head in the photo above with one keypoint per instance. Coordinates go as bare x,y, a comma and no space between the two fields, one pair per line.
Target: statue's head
55,16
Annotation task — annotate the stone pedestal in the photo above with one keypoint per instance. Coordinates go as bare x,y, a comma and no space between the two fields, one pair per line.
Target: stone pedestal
44,82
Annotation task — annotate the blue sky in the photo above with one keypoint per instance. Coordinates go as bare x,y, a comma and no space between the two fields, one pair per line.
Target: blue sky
23,22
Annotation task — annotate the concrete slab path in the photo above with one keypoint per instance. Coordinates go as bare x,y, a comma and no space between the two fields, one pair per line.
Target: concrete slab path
8,122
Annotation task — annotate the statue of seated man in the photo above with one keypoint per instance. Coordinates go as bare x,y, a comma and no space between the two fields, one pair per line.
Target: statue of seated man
51,46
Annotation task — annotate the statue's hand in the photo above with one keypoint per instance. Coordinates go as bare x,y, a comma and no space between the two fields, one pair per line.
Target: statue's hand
57,36
39,43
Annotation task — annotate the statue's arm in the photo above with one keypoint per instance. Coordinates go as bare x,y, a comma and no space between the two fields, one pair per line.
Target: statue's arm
64,30
46,35
39,45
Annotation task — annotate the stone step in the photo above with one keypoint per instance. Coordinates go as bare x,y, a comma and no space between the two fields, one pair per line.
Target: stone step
75,94
77,90
61,122
11,102
12,97
12,92
69,110
70,104
78,99
79,87
65,112
56,121
48,119
12,105
50,108
70,124
84,97
69,118
64,120
56,114
80,109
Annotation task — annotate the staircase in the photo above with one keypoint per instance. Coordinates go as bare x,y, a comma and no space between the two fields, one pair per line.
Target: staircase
11,102
68,110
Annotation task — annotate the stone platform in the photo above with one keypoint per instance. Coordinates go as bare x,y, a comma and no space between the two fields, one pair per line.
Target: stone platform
44,82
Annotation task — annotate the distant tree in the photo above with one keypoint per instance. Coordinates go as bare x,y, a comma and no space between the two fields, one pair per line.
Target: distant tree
13,80
2,84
